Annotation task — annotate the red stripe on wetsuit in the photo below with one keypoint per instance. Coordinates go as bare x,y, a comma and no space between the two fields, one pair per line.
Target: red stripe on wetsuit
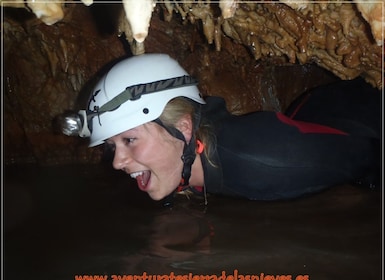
306,127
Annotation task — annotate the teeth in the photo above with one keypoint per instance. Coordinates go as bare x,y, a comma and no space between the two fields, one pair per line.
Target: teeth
136,174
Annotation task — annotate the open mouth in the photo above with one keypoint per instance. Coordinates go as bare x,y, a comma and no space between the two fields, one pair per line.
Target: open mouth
142,178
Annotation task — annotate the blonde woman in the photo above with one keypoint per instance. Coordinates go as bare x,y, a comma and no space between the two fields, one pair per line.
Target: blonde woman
150,113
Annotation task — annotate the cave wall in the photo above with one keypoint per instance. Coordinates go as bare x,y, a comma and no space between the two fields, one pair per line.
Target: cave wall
50,69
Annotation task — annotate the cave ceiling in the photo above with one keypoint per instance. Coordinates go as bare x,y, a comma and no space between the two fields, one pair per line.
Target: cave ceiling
343,37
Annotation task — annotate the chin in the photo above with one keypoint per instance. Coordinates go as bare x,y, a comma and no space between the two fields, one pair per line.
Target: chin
156,198
158,195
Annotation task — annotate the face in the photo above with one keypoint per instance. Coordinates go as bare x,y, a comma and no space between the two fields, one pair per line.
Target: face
152,156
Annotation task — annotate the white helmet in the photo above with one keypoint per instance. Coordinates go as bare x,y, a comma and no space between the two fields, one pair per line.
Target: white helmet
135,91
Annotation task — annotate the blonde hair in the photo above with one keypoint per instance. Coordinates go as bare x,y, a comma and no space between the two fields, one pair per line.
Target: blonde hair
179,107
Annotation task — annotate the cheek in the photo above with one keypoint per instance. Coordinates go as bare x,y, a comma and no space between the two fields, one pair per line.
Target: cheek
169,164
168,154
160,154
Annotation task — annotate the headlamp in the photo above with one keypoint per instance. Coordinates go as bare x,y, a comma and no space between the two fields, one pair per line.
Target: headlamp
75,124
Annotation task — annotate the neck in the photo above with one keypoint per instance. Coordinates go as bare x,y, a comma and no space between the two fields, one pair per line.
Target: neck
197,176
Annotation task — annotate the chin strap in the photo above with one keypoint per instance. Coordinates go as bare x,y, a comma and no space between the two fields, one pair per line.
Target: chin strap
188,155
188,158
189,149
184,188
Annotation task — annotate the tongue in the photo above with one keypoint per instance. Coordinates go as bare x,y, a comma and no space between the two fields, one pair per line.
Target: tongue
143,179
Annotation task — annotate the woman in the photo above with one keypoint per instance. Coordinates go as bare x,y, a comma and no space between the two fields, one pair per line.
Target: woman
151,114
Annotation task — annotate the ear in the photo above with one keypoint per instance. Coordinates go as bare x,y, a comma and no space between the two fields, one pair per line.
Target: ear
185,126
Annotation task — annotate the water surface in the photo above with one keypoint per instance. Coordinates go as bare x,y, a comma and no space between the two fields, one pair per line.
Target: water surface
65,221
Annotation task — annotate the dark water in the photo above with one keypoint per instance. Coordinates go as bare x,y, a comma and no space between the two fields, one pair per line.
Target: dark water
90,220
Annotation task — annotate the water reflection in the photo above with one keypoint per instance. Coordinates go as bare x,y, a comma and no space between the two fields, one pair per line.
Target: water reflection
95,222
176,235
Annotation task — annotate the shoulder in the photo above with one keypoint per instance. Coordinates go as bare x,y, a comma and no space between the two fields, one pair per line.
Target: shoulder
215,109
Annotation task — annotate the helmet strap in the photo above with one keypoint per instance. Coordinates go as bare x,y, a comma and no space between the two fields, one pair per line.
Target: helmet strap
189,151
188,158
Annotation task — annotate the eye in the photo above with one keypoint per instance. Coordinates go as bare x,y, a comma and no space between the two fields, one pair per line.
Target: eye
129,141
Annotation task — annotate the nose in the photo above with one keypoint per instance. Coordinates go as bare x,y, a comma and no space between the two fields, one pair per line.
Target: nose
121,160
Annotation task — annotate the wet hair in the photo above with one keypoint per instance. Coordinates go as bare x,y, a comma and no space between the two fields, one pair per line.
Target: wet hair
179,107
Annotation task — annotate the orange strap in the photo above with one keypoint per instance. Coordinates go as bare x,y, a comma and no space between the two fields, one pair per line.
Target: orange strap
200,147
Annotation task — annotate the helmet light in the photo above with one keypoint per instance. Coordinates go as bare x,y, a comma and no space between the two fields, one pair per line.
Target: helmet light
75,124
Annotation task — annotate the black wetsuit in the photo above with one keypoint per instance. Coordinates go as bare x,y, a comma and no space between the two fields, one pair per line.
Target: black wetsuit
330,135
